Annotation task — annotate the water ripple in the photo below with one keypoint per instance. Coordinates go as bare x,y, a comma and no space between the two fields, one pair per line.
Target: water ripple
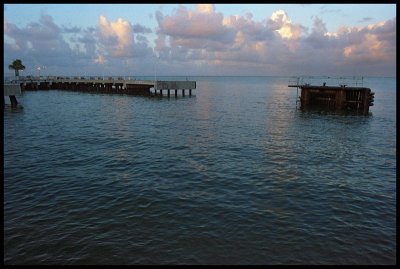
227,177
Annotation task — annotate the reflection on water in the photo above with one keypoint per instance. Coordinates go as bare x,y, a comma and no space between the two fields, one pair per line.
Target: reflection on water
233,175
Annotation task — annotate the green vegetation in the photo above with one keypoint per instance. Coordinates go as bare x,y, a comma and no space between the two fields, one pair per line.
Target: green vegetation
16,65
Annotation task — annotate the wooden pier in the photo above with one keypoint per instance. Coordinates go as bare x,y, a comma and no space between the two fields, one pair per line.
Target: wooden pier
118,85
336,98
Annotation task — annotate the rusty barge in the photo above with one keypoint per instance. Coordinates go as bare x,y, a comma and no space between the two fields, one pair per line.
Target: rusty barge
339,99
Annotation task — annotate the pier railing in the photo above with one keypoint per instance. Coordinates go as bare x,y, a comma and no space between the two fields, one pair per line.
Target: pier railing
49,78
350,81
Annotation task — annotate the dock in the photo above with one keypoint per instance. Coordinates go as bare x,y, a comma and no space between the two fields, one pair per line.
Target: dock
342,98
119,85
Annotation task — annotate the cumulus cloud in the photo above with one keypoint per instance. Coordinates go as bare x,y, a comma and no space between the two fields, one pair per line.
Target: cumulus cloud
277,41
206,34
226,40
351,49
138,28
202,23
116,37
203,39
281,23
206,8
246,28
289,32
374,43
319,37
39,43
72,48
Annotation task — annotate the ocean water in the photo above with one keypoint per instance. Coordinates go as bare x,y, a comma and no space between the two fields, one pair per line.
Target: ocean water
234,174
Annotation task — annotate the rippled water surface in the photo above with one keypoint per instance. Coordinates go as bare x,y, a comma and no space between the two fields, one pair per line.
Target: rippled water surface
231,175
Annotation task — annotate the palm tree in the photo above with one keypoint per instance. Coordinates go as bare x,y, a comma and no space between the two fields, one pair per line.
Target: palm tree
16,65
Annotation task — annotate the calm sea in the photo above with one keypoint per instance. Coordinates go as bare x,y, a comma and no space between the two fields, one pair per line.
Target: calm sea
234,174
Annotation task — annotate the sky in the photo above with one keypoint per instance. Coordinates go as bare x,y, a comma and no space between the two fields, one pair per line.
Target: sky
201,39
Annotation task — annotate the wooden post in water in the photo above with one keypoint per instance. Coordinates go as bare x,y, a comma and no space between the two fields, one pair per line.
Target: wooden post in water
340,99
366,102
13,101
304,98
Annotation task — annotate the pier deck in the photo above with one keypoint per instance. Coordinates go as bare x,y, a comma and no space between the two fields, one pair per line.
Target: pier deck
106,85
11,90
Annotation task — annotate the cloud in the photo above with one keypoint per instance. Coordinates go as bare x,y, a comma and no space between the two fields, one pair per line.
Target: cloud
205,33
364,50
247,29
45,31
204,40
374,43
319,37
288,31
277,43
366,19
100,60
73,30
202,23
39,43
281,23
206,8
116,37
70,49
137,28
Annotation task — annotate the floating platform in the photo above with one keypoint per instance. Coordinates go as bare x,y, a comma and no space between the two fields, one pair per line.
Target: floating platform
107,85
336,98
